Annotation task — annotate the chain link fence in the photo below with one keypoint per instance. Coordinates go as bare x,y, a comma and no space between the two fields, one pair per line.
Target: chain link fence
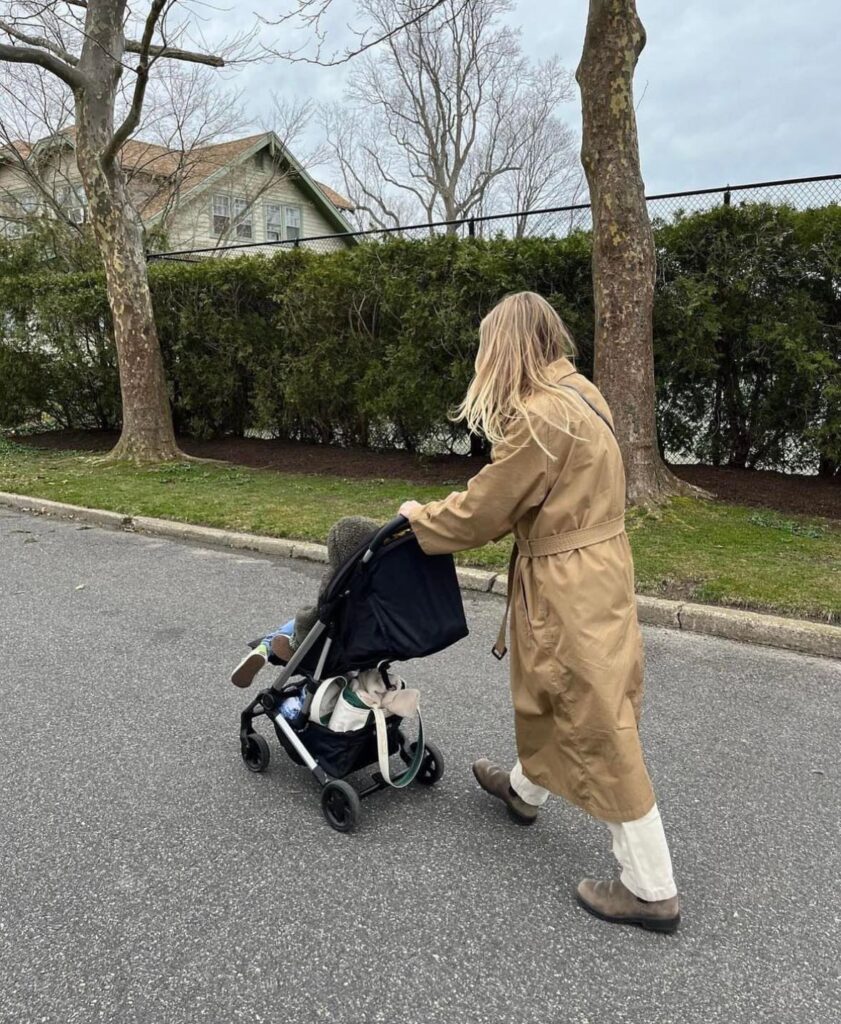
557,222
554,222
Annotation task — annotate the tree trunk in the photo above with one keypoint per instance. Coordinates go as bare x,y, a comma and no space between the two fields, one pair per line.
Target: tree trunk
147,433
623,244
479,447
829,468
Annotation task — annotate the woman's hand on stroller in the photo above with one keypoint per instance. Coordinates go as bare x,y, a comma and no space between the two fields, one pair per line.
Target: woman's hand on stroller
408,507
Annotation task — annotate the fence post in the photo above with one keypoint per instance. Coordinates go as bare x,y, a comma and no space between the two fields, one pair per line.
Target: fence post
471,227
727,195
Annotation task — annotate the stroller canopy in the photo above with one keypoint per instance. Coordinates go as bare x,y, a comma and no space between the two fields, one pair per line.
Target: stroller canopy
398,605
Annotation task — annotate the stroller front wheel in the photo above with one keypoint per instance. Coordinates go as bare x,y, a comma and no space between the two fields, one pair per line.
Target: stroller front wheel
341,806
255,753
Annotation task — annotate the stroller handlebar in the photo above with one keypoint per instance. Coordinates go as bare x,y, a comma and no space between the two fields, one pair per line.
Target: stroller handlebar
392,527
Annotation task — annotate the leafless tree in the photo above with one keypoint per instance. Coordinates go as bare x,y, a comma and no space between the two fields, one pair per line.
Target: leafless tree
291,118
186,110
448,114
89,45
92,47
548,172
623,244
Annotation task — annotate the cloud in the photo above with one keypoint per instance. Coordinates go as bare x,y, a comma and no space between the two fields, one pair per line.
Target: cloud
733,92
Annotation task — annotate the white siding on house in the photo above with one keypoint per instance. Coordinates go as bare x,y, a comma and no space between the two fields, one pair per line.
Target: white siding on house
191,226
58,172
11,180
258,181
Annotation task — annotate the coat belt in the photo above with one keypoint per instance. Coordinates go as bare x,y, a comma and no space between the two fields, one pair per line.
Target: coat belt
557,543
554,544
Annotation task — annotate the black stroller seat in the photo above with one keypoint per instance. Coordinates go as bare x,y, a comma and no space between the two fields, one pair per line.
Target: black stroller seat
389,602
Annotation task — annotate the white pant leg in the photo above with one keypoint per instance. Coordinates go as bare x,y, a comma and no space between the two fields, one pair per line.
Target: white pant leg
642,851
527,790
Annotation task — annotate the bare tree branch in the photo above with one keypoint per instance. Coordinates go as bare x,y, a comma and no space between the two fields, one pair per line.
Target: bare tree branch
38,41
88,51
42,58
174,53
459,119
309,14
132,119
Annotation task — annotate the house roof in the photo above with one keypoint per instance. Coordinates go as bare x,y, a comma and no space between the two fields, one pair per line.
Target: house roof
135,154
336,198
197,166
16,148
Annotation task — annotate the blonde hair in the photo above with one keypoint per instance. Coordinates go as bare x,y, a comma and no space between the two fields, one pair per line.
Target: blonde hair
518,340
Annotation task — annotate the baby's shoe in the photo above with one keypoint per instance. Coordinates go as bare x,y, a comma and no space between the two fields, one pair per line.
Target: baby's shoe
282,647
243,675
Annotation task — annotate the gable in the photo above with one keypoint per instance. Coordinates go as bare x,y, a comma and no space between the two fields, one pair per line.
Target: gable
196,170
255,202
211,166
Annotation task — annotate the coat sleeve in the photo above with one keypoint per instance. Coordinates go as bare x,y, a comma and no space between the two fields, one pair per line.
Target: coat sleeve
495,499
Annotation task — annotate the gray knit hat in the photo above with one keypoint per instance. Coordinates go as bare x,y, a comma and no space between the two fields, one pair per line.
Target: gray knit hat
346,536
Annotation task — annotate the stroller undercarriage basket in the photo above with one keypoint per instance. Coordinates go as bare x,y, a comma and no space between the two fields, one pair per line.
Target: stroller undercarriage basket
389,602
342,753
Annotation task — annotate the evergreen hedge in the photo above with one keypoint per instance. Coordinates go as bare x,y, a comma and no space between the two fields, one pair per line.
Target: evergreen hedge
375,344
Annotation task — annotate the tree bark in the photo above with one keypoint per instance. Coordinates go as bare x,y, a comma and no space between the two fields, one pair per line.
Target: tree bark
623,244
147,432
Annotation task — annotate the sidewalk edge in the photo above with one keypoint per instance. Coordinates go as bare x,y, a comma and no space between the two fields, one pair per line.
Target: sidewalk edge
800,635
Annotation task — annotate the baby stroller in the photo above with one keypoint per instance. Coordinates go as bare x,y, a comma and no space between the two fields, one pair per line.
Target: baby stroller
388,602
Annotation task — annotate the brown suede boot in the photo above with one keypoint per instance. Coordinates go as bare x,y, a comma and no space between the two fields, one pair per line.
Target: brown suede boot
612,901
498,783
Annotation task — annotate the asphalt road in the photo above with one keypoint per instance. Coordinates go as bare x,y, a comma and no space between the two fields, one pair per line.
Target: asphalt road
146,876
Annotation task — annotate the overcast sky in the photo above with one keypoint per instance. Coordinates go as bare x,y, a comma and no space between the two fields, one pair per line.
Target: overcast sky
731,90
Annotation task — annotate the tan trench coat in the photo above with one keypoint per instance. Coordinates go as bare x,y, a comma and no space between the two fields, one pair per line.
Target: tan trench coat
576,650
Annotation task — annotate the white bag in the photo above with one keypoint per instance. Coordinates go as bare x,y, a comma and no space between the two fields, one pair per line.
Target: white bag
325,698
336,705
350,713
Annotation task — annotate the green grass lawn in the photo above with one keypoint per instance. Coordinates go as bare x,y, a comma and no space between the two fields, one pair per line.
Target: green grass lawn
699,550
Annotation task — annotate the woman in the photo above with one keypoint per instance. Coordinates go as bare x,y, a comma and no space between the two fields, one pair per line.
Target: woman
557,481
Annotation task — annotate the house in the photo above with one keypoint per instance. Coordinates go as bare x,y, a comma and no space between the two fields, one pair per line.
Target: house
241,192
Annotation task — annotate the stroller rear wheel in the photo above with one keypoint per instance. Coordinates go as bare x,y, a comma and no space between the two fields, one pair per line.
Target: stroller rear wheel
432,765
255,753
341,806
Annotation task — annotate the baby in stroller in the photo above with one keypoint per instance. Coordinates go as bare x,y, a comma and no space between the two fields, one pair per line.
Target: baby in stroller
346,536
335,707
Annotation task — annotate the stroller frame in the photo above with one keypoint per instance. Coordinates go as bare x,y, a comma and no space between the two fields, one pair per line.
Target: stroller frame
340,801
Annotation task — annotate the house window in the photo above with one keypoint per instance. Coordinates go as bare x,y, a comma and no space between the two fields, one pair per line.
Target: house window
21,207
274,222
221,214
243,211
11,228
292,215
73,201
28,203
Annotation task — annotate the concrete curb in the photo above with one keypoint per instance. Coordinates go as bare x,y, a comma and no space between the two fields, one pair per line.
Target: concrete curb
799,635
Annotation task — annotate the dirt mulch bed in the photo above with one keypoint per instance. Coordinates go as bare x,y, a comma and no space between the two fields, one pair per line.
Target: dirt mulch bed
286,456
808,495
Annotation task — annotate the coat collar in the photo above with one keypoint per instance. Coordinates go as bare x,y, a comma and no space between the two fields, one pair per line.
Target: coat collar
560,368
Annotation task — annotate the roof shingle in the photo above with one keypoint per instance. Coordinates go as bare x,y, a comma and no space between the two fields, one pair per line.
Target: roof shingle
193,166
